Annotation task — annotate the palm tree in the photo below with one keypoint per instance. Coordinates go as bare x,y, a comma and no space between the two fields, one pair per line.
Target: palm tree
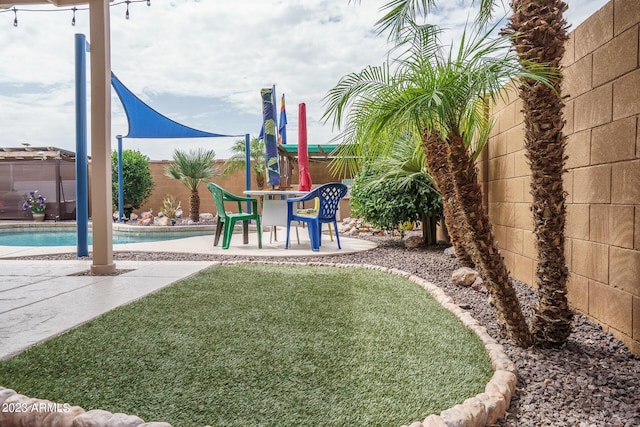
238,160
441,97
192,169
538,31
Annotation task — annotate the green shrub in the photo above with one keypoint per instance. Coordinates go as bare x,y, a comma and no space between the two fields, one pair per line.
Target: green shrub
386,202
136,177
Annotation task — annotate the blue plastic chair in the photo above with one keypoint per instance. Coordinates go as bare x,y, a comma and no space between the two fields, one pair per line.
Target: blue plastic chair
329,196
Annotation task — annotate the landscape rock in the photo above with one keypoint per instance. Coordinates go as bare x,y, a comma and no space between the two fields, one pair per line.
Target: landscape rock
478,285
100,418
163,221
63,417
434,421
12,409
450,252
454,417
5,393
93,418
206,216
464,276
146,218
413,242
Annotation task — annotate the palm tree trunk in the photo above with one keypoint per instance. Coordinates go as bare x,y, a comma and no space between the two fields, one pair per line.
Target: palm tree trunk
540,32
260,182
428,229
441,172
194,206
493,269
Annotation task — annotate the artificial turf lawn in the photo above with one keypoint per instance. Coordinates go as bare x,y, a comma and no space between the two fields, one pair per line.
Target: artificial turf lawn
266,345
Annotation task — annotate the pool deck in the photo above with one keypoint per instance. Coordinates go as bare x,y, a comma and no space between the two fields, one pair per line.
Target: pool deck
204,244
40,299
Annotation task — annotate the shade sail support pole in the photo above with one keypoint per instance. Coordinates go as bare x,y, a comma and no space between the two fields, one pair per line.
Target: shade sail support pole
120,181
82,179
247,161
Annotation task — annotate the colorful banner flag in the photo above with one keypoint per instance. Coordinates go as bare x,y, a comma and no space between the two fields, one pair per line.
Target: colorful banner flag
270,136
282,137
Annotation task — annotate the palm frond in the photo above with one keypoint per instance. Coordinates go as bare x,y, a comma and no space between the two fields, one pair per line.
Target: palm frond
192,167
399,13
426,86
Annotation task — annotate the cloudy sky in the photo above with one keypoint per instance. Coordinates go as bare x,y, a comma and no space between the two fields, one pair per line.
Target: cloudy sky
201,63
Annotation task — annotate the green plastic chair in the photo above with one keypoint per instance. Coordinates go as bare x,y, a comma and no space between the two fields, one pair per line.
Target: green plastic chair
228,220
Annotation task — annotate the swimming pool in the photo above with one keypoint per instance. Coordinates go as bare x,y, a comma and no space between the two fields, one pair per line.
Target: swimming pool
66,236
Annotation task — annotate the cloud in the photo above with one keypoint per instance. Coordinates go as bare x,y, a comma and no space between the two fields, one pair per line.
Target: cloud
202,63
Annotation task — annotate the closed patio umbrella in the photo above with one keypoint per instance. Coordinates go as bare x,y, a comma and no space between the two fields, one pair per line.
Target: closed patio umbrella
304,177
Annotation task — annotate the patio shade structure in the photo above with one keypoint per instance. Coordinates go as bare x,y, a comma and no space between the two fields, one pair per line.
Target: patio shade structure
304,177
48,170
99,23
315,152
145,122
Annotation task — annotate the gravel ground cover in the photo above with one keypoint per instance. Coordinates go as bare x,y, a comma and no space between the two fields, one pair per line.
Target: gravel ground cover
592,381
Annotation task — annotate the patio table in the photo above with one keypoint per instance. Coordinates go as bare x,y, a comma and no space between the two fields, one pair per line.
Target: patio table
274,206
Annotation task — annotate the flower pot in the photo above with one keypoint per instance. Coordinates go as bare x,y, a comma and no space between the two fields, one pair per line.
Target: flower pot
38,216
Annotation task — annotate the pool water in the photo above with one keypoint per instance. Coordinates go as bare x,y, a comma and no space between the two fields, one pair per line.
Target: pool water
62,237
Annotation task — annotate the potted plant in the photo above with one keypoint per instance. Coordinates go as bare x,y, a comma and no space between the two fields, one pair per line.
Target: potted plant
35,204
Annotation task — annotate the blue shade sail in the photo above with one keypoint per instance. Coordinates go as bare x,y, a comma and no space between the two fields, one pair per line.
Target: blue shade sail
145,122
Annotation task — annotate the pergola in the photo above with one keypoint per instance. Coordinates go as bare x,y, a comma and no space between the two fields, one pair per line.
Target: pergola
48,170
100,38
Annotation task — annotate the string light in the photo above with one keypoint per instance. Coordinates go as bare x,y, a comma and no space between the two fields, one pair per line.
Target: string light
72,9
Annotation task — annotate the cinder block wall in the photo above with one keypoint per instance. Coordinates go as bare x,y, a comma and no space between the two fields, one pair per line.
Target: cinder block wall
165,185
234,183
602,80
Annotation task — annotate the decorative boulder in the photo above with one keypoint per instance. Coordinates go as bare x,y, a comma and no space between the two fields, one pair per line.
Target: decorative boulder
450,251
163,221
413,242
478,285
98,417
464,276
206,216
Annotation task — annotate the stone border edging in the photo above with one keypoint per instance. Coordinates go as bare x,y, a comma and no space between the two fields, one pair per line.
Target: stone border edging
478,411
